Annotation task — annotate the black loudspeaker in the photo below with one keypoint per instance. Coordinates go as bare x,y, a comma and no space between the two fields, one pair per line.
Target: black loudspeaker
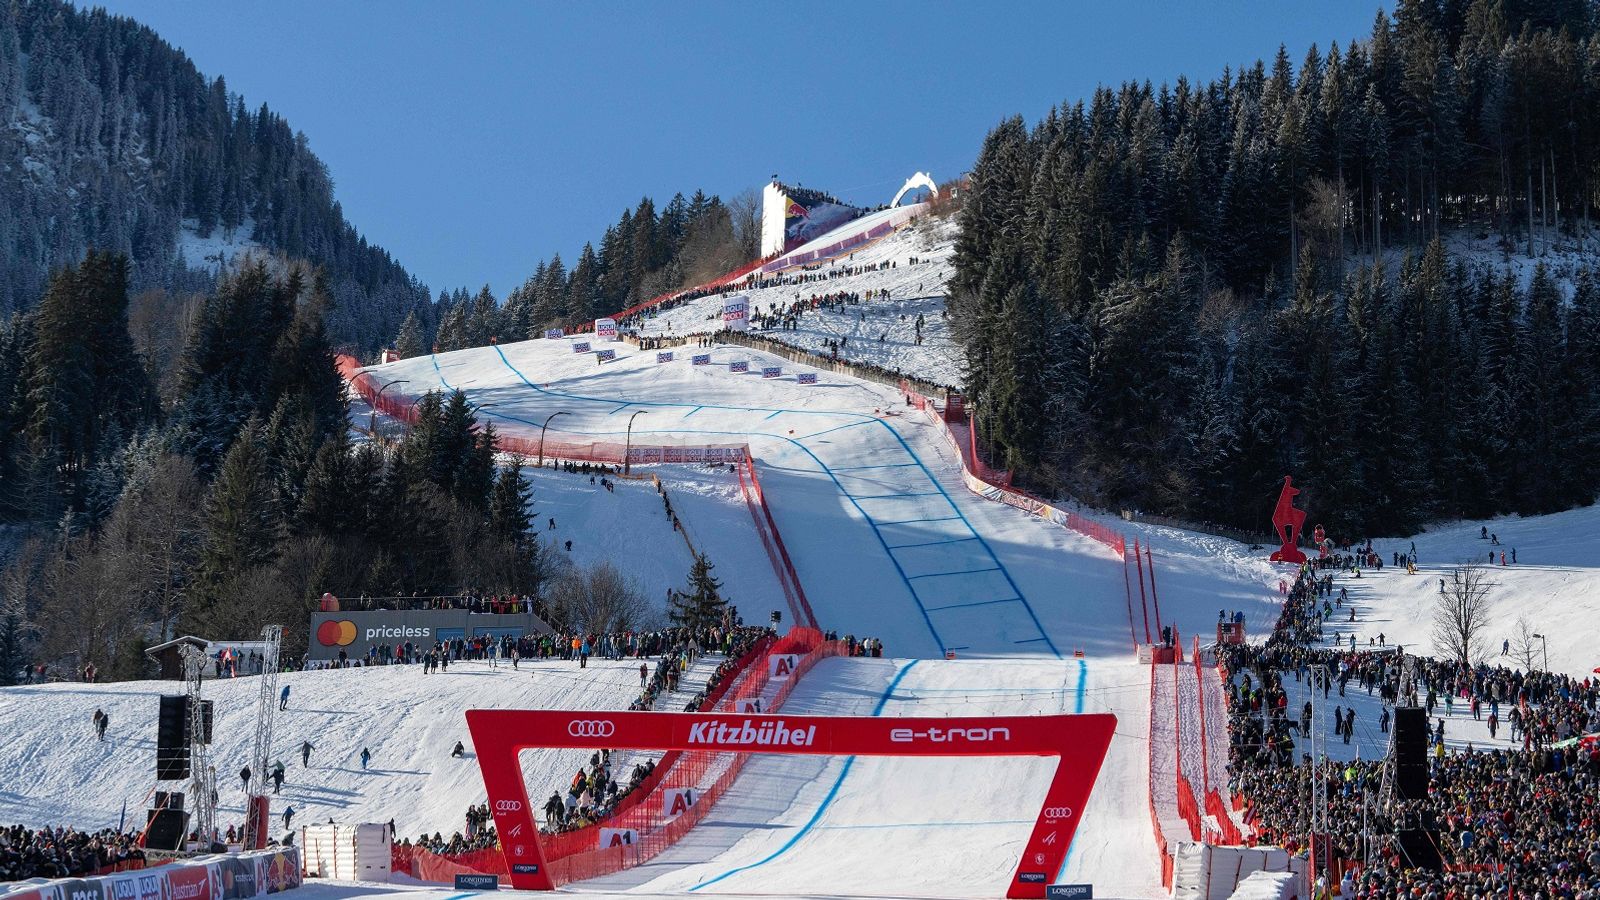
1419,848
172,739
164,829
1411,752
169,800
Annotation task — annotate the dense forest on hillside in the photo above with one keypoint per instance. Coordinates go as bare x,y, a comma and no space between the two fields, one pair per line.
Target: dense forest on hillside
111,139
646,253
1171,297
217,490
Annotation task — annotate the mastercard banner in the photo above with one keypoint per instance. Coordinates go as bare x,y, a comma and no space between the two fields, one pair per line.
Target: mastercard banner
355,633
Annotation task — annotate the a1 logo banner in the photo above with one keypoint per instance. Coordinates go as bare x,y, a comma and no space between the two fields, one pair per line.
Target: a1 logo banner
676,801
806,378
771,371
551,334
782,665
581,347
701,359
606,355
750,705
664,357
740,366
617,837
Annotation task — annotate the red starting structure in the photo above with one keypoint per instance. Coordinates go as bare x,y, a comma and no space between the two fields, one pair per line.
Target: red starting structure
1288,522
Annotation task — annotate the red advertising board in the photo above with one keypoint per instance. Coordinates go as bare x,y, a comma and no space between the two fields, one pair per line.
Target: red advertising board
1079,741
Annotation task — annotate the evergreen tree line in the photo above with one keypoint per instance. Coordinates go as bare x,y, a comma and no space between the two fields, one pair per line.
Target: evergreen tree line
237,501
110,138
1171,298
645,254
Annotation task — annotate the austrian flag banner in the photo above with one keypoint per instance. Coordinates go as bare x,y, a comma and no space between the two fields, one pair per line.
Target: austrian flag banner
1079,742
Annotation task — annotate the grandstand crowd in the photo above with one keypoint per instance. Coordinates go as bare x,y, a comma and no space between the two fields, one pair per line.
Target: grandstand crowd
1518,821
63,852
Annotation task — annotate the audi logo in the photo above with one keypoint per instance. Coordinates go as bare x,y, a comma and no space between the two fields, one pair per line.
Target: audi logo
1057,812
507,805
591,728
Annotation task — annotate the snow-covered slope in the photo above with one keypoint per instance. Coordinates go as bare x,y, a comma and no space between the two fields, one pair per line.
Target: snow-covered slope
914,289
53,771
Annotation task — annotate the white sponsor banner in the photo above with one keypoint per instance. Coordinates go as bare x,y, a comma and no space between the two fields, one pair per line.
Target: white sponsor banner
606,355
806,378
580,347
676,801
605,329
617,837
742,365
736,313
643,455
551,334
701,359
782,665
771,371
664,357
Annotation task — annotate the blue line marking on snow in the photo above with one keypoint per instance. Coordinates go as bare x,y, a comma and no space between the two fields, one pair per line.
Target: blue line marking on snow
1077,709
898,496
805,437
693,411
1030,640
827,801
774,415
962,572
904,521
619,409
463,896
932,543
926,824
876,526
882,466
976,603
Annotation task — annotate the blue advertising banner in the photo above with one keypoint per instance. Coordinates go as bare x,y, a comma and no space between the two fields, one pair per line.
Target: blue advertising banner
664,357
740,366
701,359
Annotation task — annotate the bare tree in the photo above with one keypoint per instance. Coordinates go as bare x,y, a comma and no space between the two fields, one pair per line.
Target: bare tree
745,209
1461,616
1525,648
600,599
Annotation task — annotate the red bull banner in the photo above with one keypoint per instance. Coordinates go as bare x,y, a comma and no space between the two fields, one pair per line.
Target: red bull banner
1079,742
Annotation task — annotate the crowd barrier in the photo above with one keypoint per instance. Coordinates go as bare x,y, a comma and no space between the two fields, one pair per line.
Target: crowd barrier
219,877
826,363
772,540
1162,846
854,242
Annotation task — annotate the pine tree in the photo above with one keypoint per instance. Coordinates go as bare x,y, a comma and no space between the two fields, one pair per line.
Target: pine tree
242,532
408,343
508,506
703,604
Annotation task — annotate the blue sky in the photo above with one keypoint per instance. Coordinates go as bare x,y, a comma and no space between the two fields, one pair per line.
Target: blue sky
473,138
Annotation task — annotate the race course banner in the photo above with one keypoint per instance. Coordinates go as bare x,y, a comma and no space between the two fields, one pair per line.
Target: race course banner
806,378
739,366
701,359
581,347
771,371
605,329
1078,742
664,357
551,334
736,313
606,355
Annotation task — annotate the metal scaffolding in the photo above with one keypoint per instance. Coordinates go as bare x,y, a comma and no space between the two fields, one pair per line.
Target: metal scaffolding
271,641
202,778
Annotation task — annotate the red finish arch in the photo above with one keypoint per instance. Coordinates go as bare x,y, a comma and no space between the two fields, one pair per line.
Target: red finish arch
1079,741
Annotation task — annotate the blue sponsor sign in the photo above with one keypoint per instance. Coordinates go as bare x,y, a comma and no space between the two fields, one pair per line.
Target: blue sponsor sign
1070,891
740,366
807,378
665,356
525,868
771,371
477,882
581,347
553,333
701,359
607,355
1031,877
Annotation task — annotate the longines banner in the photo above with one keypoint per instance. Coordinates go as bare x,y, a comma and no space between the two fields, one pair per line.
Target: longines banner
356,632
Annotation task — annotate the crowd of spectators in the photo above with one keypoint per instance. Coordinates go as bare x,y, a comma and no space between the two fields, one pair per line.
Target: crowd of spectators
63,852
1523,820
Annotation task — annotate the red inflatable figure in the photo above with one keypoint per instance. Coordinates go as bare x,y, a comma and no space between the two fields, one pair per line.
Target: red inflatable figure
1288,522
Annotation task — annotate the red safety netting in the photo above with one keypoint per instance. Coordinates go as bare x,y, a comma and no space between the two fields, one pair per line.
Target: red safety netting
772,540
1150,770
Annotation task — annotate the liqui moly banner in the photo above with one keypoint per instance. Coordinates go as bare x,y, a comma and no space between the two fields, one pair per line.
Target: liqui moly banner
664,356
551,334
806,378
782,665
1079,742
676,801
701,359
580,347
605,329
741,365
771,371
606,355
617,837
736,313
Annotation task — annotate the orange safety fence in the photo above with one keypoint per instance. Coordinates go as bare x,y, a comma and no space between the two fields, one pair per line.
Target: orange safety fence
1150,769
772,540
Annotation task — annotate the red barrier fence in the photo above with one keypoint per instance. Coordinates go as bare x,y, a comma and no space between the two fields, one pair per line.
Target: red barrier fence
772,540
1150,770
